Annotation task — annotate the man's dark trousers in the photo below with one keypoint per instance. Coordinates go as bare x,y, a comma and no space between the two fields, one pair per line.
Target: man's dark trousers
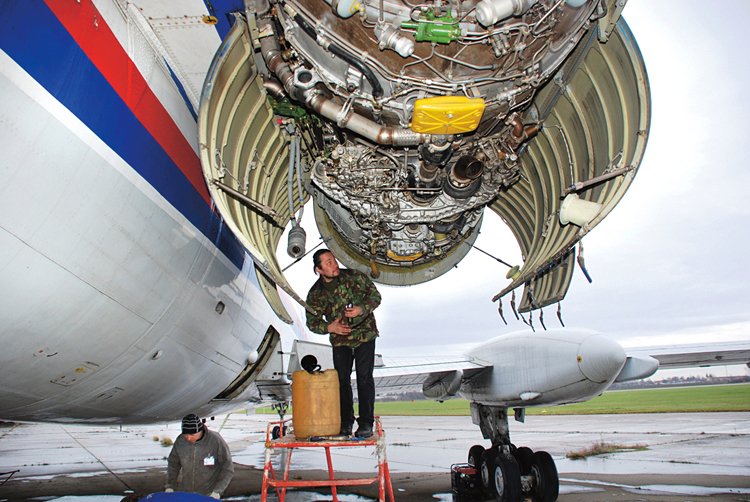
363,356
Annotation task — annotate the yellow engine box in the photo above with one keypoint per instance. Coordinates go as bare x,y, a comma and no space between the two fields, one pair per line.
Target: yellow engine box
315,403
447,114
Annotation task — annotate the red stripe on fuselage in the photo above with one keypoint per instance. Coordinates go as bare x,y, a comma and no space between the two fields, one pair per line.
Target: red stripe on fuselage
87,27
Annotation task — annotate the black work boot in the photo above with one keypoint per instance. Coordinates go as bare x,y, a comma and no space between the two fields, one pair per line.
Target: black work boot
364,431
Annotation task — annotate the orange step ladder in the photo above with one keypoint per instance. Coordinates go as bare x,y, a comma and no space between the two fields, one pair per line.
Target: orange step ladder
289,443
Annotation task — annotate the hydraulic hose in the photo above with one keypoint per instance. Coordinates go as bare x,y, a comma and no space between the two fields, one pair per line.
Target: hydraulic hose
380,134
377,89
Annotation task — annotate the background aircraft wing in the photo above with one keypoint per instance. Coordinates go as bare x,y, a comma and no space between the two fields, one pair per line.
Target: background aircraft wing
397,374
394,374
694,355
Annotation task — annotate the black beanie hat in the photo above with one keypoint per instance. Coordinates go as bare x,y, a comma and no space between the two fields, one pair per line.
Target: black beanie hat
191,424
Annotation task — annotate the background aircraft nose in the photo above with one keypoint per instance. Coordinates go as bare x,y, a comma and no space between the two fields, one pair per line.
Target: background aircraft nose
600,358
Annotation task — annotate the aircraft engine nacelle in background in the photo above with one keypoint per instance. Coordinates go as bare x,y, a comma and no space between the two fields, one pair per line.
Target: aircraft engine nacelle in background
540,369
440,386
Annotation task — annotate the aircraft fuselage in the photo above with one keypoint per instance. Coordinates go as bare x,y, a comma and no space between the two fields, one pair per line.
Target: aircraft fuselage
125,297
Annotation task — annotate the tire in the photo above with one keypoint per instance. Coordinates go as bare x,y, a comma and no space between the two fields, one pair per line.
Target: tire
525,458
475,455
486,469
507,479
546,486
277,432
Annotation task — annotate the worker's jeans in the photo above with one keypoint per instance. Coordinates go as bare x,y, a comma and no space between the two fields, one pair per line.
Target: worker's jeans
363,356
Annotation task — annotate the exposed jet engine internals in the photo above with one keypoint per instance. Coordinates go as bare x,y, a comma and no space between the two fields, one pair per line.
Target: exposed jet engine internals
423,107
410,119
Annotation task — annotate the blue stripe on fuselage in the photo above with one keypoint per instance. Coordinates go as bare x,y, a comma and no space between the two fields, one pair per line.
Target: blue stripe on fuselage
184,95
34,38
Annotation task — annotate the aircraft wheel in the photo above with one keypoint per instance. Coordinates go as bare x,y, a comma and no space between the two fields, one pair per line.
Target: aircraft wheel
525,457
486,469
506,479
546,486
475,455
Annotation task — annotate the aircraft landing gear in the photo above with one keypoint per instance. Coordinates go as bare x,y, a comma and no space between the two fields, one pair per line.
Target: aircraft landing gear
546,486
507,479
507,473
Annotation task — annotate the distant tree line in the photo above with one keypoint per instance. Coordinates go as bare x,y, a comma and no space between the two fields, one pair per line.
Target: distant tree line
677,381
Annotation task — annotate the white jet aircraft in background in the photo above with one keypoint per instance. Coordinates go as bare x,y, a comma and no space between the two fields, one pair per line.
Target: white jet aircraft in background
519,370
155,151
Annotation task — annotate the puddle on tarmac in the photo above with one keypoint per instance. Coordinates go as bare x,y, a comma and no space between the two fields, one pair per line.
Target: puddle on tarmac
291,496
294,496
566,489
658,489
86,498
602,465
417,460
685,489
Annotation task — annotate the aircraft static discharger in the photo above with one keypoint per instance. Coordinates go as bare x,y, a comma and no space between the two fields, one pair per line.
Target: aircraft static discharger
131,299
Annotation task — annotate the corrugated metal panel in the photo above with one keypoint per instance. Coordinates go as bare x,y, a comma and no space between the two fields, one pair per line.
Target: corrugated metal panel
244,150
596,114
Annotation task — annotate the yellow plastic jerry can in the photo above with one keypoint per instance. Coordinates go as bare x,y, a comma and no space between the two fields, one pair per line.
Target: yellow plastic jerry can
315,403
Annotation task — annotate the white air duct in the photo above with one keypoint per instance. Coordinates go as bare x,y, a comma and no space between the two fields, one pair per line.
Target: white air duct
489,12
578,211
345,8
440,386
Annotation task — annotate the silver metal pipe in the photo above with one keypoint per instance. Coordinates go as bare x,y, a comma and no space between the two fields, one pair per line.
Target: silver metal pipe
246,201
273,88
271,52
582,185
380,134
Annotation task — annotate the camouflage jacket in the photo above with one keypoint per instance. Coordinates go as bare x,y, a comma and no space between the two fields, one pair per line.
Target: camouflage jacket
329,299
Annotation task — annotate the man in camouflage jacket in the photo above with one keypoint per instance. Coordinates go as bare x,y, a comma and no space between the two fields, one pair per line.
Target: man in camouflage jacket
344,301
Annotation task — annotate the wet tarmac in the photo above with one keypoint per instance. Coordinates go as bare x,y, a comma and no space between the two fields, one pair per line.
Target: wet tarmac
686,457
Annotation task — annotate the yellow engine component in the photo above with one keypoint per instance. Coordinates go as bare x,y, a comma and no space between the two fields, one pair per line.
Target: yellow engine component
397,257
447,114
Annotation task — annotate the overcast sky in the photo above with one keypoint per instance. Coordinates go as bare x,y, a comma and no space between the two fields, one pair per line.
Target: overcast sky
670,263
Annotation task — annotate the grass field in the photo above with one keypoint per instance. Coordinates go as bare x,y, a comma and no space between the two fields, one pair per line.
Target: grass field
670,400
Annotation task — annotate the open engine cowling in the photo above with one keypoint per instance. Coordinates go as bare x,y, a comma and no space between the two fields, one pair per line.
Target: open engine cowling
406,121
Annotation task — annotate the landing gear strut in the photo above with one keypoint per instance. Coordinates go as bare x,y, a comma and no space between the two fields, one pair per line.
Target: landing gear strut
281,408
508,473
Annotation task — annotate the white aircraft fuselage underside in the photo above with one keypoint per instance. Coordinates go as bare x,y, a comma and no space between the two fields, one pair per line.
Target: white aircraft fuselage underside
124,299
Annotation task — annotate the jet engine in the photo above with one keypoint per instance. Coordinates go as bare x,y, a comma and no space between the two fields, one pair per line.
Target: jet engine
406,120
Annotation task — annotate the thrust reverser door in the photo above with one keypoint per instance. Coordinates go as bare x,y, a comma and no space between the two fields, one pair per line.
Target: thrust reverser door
245,156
